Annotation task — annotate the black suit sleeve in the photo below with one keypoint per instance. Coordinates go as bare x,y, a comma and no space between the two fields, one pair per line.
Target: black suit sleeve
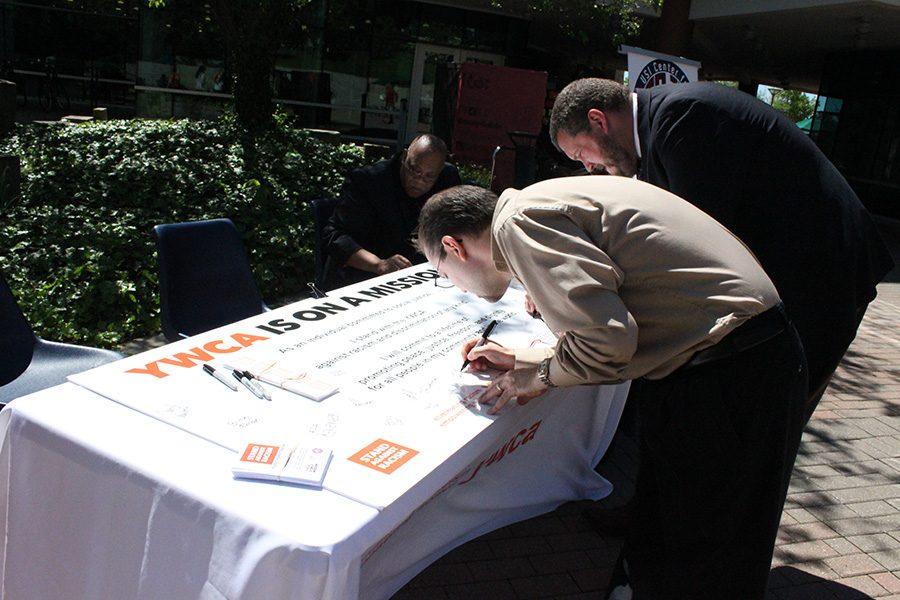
699,156
449,177
353,217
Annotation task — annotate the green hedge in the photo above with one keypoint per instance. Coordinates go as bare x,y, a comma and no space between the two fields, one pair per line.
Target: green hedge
77,246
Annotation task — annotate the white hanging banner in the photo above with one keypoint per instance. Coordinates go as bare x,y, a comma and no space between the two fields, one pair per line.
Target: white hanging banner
647,69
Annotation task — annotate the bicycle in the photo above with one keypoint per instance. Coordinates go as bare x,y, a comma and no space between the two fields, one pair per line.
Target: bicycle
7,72
52,93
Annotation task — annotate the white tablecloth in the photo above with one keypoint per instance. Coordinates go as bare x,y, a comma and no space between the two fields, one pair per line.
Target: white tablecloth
135,498
100,501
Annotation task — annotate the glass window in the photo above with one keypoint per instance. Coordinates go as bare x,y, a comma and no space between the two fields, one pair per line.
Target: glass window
298,70
181,48
350,18
517,36
395,19
74,38
156,105
390,69
345,64
441,25
484,31
313,14
82,47
825,122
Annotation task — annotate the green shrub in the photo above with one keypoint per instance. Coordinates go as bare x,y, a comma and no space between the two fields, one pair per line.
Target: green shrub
475,174
77,244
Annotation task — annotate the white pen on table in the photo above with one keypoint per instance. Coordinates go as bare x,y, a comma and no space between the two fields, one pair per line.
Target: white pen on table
250,385
253,381
218,375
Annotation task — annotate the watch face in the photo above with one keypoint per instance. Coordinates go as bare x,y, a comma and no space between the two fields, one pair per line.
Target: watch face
544,372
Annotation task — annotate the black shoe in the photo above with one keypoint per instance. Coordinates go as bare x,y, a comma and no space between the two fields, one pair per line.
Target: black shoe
620,585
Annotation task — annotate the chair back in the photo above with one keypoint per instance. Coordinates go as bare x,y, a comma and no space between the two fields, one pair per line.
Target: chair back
205,279
322,209
29,363
17,339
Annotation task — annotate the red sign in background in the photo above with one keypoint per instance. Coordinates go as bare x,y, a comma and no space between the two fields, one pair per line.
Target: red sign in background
493,101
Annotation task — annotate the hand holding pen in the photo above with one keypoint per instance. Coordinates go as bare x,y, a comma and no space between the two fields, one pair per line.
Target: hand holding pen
489,356
480,342
531,308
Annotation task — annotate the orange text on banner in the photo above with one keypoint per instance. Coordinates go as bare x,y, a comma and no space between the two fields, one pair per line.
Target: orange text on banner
260,453
197,355
520,439
383,456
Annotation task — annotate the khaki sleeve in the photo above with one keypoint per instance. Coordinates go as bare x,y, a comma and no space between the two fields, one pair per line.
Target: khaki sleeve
531,357
574,285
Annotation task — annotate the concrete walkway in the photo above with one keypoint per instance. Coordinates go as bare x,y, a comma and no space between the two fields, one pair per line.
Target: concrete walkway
840,530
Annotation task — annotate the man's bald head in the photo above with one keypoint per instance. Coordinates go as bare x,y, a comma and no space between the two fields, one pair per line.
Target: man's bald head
427,144
422,164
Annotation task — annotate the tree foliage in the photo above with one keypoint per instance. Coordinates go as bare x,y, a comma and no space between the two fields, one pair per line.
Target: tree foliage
795,104
76,244
252,31
590,24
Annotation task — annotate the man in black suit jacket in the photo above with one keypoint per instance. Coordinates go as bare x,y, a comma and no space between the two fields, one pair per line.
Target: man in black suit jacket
370,230
755,172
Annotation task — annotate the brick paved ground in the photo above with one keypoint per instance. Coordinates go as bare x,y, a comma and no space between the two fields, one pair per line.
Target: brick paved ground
840,531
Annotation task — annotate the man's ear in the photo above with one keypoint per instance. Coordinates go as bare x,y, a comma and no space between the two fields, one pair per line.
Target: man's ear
454,246
597,118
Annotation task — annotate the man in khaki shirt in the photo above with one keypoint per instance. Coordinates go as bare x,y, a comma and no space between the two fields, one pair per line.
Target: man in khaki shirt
636,282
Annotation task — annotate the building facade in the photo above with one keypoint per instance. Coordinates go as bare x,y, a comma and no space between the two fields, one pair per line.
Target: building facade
371,69
384,70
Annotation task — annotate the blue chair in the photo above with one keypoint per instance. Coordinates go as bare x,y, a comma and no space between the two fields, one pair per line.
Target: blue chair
205,279
322,209
30,363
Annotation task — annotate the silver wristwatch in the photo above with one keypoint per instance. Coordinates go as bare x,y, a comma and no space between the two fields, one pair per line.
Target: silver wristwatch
543,373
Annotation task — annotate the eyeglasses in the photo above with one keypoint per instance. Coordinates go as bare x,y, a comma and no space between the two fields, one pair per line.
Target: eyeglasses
418,174
441,281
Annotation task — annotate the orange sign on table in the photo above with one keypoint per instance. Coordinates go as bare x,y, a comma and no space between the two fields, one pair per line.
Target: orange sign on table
260,453
383,456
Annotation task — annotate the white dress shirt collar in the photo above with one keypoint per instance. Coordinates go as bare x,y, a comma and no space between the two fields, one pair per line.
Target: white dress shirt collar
637,141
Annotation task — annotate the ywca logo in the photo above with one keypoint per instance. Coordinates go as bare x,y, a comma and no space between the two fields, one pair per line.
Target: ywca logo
660,72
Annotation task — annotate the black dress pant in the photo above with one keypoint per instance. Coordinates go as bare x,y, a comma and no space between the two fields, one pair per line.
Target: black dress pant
829,355
718,443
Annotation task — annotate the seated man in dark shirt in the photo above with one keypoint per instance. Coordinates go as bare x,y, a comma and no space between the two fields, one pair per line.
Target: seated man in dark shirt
370,230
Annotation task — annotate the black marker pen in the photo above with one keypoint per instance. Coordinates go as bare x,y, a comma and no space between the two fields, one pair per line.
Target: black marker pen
220,377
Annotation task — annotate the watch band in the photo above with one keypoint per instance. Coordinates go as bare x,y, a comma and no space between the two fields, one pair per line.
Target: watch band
543,373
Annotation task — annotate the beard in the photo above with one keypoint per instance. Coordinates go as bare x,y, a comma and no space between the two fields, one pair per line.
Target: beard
619,160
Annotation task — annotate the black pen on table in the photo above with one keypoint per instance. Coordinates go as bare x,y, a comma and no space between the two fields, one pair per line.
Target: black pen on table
251,377
220,377
482,342
245,381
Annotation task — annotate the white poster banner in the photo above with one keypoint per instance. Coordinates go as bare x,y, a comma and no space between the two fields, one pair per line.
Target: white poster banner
647,69
391,345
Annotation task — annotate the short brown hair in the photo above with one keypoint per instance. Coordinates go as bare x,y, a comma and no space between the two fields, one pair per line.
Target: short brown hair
460,210
573,103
